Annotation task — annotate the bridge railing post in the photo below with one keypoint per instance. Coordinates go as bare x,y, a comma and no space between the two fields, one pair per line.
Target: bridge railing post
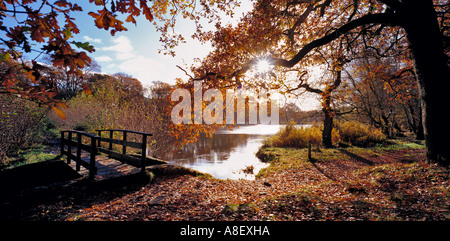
62,143
93,153
124,147
111,135
69,148
99,133
78,161
144,152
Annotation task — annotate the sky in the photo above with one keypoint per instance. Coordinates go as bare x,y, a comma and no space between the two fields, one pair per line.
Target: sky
135,51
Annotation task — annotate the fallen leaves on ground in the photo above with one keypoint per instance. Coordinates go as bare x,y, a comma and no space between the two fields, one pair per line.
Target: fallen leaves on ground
388,185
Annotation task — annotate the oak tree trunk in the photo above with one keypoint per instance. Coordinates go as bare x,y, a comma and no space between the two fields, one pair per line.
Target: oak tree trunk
433,74
420,135
327,129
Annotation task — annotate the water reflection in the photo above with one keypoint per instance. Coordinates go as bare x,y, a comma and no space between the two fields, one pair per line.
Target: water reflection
226,153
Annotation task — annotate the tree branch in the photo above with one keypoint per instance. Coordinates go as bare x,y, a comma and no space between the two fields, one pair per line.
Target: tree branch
381,18
185,72
306,86
345,112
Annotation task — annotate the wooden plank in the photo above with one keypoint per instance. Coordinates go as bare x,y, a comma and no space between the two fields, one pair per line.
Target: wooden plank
155,161
111,136
62,143
99,133
80,132
144,153
78,160
121,142
150,161
82,162
94,148
103,150
124,147
135,132
92,169
69,146
128,159
134,161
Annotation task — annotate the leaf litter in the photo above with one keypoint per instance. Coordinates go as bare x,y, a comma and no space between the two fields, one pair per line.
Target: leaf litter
340,188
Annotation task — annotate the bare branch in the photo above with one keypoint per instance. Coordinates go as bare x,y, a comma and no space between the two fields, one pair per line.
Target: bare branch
190,76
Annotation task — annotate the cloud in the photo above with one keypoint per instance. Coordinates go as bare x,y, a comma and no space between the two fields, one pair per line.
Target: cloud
103,59
121,56
122,47
89,39
144,69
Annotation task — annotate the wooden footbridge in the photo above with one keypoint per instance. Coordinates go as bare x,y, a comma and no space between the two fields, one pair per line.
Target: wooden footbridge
116,144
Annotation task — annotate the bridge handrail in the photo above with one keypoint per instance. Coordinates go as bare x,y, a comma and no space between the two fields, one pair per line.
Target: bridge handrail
91,148
124,142
80,132
135,132
94,147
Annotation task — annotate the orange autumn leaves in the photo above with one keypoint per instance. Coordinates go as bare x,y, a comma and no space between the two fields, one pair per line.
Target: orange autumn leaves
50,29
50,25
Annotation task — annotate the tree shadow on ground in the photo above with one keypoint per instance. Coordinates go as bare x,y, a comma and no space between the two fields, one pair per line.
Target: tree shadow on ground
34,175
313,160
27,192
357,158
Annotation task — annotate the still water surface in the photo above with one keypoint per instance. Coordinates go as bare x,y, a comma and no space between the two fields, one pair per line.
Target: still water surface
226,153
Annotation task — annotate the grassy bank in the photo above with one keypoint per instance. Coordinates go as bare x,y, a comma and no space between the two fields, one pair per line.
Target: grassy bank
384,182
34,154
281,158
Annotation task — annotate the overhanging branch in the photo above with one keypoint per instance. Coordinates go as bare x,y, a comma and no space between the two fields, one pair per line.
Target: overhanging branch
381,18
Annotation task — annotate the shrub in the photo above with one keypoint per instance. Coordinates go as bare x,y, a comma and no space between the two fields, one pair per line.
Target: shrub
298,137
21,126
81,126
352,132
359,134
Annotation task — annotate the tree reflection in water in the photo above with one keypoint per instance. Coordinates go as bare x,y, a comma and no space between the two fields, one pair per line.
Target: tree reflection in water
226,153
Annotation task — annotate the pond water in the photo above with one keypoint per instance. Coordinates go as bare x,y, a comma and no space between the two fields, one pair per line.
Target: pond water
226,153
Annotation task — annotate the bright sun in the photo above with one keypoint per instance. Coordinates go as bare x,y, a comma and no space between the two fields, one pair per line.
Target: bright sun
263,66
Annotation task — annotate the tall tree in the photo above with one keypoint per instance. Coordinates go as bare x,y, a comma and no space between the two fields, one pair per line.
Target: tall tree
326,99
293,34
384,91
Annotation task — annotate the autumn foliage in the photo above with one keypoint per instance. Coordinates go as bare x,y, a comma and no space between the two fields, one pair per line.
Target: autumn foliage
44,28
296,36
47,28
